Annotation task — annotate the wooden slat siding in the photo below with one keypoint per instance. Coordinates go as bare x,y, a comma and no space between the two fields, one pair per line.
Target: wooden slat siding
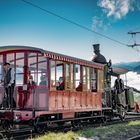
72,101
66,100
53,100
83,100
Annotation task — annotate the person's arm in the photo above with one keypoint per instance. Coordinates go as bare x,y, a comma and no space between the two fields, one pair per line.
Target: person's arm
122,84
12,77
2,78
115,84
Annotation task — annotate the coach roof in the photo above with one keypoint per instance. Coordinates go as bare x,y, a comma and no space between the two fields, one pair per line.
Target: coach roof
49,54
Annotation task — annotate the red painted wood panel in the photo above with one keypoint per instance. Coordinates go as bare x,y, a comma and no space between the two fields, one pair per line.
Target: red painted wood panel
52,100
99,101
60,100
93,101
66,100
72,100
89,102
78,100
83,100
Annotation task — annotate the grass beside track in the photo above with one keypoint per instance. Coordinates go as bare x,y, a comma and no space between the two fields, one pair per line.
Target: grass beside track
111,132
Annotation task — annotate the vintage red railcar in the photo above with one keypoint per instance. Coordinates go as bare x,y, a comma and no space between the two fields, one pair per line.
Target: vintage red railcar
66,88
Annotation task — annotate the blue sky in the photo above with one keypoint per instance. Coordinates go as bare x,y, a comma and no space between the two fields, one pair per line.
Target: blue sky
22,24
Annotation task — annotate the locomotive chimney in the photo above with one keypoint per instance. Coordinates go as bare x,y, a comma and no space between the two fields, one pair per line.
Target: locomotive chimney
98,58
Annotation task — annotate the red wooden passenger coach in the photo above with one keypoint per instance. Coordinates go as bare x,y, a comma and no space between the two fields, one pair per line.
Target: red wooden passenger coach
65,88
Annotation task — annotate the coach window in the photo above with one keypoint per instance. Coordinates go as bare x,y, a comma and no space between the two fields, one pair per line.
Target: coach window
88,79
32,66
60,81
84,79
93,75
10,57
78,81
53,75
1,63
100,80
67,80
42,71
19,68
72,76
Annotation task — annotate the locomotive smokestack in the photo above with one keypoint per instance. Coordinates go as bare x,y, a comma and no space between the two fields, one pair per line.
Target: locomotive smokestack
98,58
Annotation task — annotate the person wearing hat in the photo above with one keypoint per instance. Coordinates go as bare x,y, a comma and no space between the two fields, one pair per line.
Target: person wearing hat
8,83
99,58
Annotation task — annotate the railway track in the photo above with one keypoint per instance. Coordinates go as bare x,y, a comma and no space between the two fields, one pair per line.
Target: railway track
24,133
135,138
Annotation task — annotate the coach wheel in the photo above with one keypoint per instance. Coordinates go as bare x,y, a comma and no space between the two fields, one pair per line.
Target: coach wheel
75,124
39,128
6,125
110,118
60,123
104,120
92,121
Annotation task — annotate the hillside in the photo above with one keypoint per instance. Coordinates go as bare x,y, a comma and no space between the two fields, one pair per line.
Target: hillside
132,66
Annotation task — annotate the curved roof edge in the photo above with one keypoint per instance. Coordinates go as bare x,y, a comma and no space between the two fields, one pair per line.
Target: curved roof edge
22,47
13,47
119,71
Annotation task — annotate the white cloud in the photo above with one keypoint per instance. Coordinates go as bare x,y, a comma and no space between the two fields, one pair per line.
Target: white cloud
116,8
99,23
133,80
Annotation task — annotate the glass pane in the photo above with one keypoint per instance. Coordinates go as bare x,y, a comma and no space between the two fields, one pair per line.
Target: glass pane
10,59
53,73
1,63
88,79
78,82
42,71
19,68
32,68
71,74
84,79
100,80
68,82
59,75
19,79
93,79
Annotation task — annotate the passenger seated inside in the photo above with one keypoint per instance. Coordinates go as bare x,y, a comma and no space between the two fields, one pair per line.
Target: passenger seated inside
79,87
30,79
43,80
60,84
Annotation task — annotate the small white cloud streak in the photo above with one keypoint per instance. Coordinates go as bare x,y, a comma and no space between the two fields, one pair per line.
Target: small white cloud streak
99,23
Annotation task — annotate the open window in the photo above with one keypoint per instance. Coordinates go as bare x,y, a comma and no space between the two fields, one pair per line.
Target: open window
57,80
78,80
68,76
1,63
93,75
84,78
42,71
19,68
